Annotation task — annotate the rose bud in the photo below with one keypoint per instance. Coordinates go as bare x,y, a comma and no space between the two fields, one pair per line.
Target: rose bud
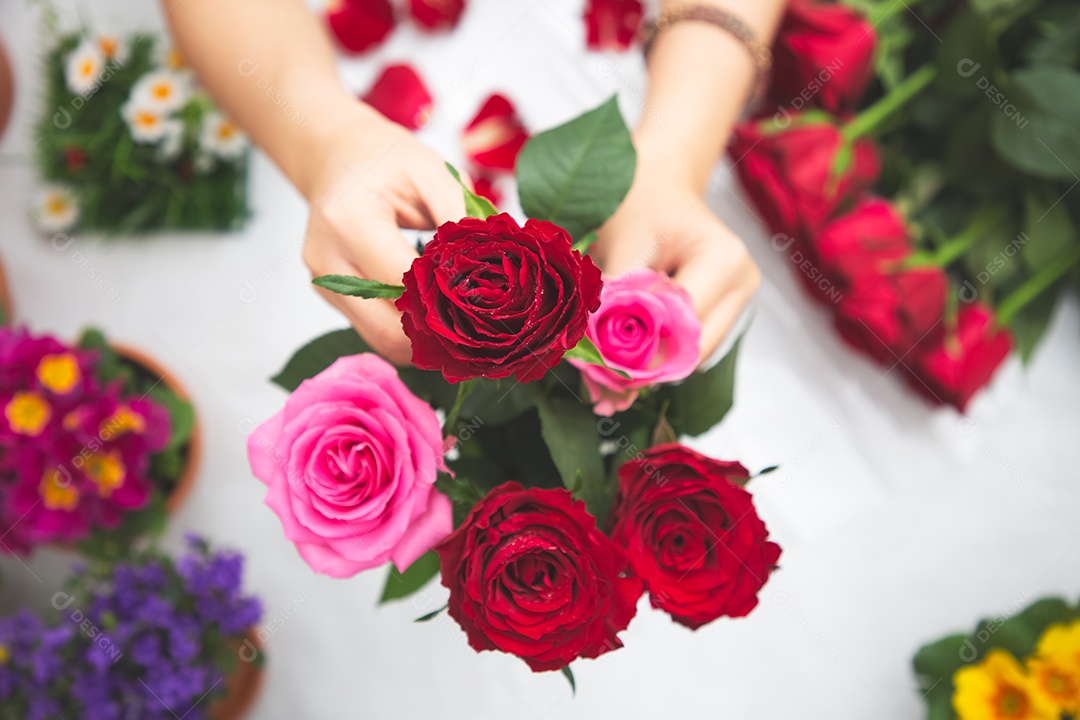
963,360
530,574
612,24
692,534
359,24
646,328
790,177
490,299
350,464
495,136
822,57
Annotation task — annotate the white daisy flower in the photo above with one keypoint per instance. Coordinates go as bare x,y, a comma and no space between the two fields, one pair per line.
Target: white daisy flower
114,48
57,209
83,68
147,124
172,142
221,137
164,91
168,57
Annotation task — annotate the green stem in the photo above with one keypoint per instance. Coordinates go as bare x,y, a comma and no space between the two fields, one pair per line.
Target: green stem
463,390
961,243
1036,284
871,118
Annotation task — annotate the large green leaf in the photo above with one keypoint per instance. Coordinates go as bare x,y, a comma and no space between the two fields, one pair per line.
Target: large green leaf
1042,136
570,431
701,401
1048,226
1030,324
575,175
318,355
416,576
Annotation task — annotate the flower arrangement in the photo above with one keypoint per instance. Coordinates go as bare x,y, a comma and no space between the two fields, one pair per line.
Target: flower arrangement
147,638
1023,665
91,444
530,456
915,166
128,143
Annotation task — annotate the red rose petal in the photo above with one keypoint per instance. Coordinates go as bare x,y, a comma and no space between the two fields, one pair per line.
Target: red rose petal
359,25
612,24
484,186
401,96
493,138
436,14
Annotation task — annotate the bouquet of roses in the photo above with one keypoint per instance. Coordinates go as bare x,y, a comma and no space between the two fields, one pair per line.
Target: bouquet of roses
147,638
1022,664
554,491
128,143
915,165
91,444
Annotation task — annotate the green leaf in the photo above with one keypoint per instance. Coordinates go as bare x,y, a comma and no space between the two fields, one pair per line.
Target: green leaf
318,355
1041,137
569,675
941,659
1020,633
1030,324
586,351
703,399
577,174
570,431
403,584
181,415
431,615
583,245
358,287
1048,226
475,205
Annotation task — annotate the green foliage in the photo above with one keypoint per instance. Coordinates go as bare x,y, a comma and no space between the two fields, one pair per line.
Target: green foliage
402,584
358,287
476,206
123,187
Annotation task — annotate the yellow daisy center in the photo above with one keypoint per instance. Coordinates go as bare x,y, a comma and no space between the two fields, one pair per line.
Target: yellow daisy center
57,492
86,68
107,471
174,60
28,413
56,204
162,91
146,119
60,373
226,131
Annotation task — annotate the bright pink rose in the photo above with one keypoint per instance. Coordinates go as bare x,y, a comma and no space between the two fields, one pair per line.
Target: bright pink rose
645,327
351,462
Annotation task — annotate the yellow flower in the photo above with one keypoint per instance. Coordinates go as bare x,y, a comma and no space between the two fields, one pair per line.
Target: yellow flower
107,471
998,689
28,413
1061,642
1055,667
57,492
60,373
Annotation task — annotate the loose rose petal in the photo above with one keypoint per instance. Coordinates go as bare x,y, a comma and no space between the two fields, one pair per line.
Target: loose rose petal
400,95
359,25
493,138
437,14
612,24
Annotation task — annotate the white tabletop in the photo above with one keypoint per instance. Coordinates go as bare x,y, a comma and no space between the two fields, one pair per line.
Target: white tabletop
899,522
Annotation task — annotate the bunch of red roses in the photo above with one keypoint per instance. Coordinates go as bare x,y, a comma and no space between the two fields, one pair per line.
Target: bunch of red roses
554,493
75,453
809,167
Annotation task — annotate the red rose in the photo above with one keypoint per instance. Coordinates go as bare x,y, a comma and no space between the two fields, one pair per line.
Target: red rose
491,299
612,24
789,174
495,136
360,24
963,360
530,574
400,95
433,14
692,534
821,58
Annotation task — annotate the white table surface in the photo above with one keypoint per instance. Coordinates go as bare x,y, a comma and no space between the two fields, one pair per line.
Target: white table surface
899,522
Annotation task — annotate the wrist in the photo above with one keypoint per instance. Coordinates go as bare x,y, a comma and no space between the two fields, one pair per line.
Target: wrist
665,162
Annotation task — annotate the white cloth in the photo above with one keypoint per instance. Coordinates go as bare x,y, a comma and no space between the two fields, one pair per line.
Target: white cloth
899,522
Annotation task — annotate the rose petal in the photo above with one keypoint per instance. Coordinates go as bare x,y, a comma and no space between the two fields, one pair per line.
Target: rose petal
612,24
493,138
436,14
359,25
400,95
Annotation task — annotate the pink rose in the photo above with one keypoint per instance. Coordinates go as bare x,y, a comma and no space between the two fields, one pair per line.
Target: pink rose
350,463
645,327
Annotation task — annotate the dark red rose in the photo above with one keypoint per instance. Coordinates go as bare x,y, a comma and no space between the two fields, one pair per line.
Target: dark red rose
953,369
692,534
789,174
884,308
400,95
436,14
822,57
529,574
491,299
495,136
360,24
612,24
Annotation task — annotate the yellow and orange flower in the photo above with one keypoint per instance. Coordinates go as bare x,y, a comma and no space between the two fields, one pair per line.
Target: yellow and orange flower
57,491
998,688
1055,666
59,373
107,471
28,413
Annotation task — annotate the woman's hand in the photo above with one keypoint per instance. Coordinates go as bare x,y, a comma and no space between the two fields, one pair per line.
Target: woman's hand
664,224
370,180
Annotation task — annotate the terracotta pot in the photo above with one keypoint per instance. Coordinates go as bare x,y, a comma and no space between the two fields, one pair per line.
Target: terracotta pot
245,684
186,481
7,88
5,299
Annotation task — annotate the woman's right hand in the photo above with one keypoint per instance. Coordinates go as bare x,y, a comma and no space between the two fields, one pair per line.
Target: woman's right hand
372,178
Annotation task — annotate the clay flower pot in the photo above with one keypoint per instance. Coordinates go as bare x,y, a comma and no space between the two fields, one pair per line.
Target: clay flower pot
7,88
186,481
245,684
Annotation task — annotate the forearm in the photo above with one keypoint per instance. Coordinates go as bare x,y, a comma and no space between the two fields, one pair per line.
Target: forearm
271,68
700,78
